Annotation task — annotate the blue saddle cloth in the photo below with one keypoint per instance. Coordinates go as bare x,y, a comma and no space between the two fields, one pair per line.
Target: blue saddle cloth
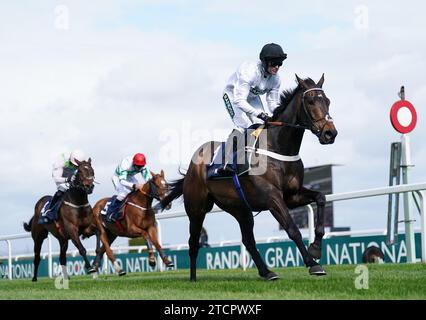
112,211
49,216
217,160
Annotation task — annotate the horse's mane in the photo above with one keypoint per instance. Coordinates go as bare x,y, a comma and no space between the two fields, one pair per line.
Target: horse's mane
287,95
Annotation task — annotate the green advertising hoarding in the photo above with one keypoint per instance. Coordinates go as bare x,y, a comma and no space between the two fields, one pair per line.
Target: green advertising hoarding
336,250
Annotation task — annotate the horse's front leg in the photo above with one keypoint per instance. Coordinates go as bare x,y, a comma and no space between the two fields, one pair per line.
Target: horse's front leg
151,256
153,235
280,211
305,197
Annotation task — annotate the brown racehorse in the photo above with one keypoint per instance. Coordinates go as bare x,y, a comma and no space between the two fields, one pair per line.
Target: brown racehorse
278,189
75,218
139,218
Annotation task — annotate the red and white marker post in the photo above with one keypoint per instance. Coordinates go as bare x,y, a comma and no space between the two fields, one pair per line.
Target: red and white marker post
403,117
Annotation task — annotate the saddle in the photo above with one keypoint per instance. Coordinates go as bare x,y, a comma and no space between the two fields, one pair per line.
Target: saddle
120,213
241,159
49,215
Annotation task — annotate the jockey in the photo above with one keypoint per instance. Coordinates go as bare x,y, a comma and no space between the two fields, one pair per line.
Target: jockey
63,173
242,94
124,180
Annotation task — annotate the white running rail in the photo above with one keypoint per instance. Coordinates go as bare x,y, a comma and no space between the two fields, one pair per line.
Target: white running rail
415,187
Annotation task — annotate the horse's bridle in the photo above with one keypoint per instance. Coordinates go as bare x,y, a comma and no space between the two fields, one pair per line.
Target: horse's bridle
78,184
153,192
312,125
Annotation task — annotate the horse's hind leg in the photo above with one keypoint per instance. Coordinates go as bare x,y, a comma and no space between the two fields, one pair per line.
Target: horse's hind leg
246,222
196,210
106,238
195,224
38,242
106,247
73,232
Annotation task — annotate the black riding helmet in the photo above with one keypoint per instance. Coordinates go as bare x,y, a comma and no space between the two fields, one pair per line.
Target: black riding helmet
271,52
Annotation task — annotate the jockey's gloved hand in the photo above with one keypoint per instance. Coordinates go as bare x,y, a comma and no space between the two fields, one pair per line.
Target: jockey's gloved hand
264,116
136,186
70,178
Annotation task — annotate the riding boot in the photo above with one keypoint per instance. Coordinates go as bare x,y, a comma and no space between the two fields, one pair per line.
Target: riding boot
54,201
234,142
114,209
49,215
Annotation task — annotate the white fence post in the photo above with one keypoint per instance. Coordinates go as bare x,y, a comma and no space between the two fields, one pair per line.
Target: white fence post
9,260
49,256
160,241
423,224
105,264
311,224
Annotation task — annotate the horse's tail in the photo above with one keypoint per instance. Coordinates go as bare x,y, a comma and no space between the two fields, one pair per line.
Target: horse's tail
176,190
27,226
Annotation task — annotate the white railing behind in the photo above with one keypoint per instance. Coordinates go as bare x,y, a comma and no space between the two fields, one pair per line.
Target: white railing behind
417,187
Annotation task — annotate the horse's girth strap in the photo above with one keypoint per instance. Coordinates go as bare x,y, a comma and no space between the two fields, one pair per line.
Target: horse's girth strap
274,155
76,206
135,205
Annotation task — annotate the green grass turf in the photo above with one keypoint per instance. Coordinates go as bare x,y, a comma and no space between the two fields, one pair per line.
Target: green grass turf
386,281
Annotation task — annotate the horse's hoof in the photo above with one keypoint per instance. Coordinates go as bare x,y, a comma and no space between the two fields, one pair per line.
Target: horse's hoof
34,279
91,270
152,263
170,264
317,270
315,251
270,276
122,273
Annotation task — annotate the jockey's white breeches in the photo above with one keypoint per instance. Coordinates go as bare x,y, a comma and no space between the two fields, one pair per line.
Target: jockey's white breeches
241,119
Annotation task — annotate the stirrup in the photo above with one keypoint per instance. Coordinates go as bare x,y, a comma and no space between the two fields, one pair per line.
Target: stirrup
226,171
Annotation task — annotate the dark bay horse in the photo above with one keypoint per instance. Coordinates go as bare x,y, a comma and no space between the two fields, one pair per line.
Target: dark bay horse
278,189
139,218
75,218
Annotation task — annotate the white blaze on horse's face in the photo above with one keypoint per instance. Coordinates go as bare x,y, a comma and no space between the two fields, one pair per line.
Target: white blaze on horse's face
88,169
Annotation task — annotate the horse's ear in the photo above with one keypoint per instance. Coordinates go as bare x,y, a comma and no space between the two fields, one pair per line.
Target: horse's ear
78,162
162,173
152,173
300,82
321,81
90,161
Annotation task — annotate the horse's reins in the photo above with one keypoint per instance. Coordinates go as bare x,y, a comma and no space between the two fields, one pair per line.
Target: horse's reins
313,126
86,189
152,194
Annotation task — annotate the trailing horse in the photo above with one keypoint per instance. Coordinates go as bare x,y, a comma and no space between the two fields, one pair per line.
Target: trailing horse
137,220
75,218
279,186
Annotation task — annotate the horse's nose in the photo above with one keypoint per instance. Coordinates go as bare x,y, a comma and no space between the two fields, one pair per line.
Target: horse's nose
330,135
